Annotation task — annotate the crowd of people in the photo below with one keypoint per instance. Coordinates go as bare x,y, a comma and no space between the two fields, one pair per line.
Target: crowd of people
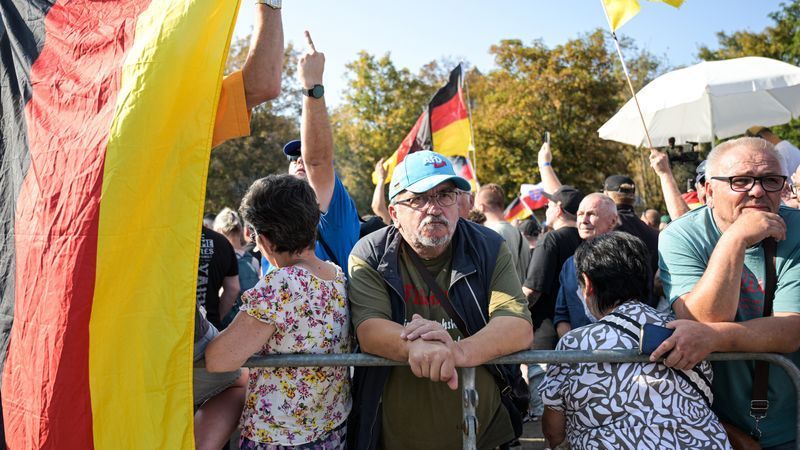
439,280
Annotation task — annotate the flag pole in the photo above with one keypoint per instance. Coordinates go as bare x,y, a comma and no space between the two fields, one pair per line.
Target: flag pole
627,76
471,149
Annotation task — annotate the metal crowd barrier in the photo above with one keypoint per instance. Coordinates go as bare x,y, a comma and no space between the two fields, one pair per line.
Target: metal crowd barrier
467,375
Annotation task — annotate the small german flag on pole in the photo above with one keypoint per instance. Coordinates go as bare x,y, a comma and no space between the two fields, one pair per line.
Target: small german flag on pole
517,210
443,127
106,114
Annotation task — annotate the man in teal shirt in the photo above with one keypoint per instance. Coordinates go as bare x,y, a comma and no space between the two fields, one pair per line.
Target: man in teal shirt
712,268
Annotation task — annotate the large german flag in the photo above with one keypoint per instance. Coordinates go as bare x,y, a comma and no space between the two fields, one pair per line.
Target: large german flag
443,127
107,111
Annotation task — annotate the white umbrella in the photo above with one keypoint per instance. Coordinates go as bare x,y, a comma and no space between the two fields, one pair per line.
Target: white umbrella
711,99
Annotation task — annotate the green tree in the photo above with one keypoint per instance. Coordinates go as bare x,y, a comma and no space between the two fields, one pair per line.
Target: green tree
235,164
381,105
779,41
570,91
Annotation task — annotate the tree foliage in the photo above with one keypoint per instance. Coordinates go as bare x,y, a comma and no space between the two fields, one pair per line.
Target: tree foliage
381,104
569,90
237,163
779,41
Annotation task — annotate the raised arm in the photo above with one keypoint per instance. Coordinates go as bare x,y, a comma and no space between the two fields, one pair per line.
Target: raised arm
262,68
676,206
549,178
379,195
315,134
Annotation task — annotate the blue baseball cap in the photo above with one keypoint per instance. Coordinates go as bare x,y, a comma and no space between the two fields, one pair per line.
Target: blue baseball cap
292,148
422,171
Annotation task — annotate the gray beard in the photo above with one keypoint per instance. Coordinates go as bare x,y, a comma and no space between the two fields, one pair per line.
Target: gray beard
429,242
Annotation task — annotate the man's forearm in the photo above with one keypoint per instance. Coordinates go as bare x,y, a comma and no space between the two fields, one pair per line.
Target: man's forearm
715,298
502,336
778,334
264,65
676,206
381,337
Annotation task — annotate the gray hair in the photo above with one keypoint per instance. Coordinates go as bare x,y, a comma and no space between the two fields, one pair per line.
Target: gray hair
227,222
714,159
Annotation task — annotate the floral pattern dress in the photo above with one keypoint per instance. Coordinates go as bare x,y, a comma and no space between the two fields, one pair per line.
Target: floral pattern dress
297,405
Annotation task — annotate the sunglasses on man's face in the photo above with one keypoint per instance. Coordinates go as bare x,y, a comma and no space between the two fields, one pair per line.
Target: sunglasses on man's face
292,158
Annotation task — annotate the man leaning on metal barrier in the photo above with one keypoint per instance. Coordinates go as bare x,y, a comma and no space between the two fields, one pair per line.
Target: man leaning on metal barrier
714,270
403,314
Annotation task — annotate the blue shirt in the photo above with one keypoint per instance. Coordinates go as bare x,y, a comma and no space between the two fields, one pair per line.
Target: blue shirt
569,302
338,227
684,250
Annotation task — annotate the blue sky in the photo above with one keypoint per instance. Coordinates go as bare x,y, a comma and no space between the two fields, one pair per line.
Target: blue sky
418,32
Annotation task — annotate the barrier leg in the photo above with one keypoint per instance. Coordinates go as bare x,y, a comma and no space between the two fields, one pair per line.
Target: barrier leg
470,397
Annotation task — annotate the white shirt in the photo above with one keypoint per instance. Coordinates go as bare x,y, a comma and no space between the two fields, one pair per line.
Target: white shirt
790,155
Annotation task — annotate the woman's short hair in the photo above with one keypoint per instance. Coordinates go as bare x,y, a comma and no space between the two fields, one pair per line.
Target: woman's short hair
617,265
284,209
227,222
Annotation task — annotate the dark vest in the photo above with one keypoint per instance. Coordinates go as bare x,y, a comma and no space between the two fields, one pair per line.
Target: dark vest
475,249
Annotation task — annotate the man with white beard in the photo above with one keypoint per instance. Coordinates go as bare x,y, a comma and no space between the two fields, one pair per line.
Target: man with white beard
440,293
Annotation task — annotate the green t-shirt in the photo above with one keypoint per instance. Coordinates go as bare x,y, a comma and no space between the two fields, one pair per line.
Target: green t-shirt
418,413
684,250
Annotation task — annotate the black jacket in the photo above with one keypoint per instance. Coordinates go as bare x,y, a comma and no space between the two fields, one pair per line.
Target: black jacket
475,249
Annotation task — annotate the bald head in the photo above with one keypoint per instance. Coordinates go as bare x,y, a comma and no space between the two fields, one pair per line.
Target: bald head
597,214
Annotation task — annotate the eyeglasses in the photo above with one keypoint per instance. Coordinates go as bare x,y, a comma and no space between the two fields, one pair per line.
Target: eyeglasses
442,198
770,183
292,158
251,233
794,189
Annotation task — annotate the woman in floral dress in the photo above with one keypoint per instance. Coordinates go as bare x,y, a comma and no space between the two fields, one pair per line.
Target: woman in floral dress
300,307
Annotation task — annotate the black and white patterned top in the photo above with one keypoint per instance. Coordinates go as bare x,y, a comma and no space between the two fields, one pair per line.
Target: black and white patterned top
631,405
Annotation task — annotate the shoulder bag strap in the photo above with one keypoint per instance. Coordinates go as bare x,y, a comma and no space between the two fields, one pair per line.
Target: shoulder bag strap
759,403
444,299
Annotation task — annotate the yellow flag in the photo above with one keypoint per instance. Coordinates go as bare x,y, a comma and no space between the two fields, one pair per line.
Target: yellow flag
620,11
675,3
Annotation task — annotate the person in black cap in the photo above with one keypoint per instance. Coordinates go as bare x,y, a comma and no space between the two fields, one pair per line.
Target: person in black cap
542,284
311,158
622,190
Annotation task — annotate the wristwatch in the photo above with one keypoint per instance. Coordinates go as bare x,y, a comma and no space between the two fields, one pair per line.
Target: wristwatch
274,4
316,92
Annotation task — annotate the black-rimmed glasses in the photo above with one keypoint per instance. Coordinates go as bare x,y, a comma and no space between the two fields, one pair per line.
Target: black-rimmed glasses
743,183
442,198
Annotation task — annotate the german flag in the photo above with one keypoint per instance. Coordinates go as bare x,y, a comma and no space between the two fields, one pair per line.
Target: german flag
106,111
516,210
443,127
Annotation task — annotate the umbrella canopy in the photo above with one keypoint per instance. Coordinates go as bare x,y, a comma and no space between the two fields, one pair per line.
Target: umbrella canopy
711,99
